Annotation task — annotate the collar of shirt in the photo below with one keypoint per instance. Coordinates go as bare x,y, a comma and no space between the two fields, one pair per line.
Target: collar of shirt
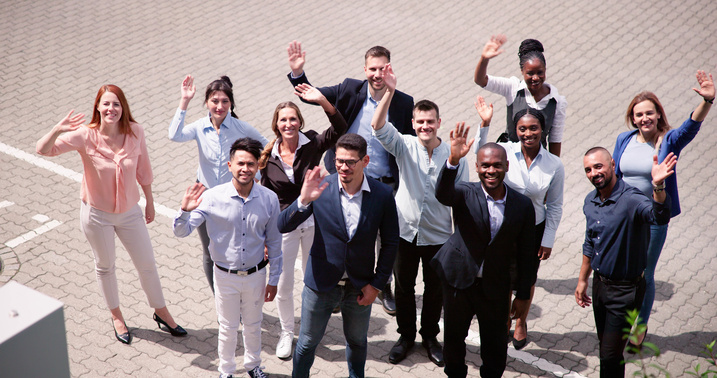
231,191
303,139
553,92
490,198
617,191
364,188
208,121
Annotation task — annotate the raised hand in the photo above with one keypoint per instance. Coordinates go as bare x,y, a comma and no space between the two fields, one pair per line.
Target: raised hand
191,199
188,88
707,85
70,122
485,111
492,48
459,147
312,188
389,78
297,58
309,93
663,170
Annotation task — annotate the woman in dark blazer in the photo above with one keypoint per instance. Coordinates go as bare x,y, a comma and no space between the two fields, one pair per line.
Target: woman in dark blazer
283,165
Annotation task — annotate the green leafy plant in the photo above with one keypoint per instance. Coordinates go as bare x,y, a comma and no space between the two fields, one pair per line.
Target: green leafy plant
711,359
648,349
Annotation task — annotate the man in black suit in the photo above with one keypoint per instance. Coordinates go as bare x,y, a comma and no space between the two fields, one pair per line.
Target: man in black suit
357,100
349,210
493,224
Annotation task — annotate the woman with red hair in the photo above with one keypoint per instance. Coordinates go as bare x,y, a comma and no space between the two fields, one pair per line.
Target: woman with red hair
114,155
634,153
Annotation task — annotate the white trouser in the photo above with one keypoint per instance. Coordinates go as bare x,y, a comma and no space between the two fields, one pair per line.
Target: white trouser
100,228
290,243
239,299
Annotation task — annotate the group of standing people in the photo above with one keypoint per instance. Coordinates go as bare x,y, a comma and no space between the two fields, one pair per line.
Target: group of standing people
397,197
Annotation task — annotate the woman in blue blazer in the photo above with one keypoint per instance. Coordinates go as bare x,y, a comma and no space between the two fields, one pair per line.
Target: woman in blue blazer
635,151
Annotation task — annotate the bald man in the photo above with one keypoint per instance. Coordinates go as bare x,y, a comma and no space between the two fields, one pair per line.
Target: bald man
493,224
616,239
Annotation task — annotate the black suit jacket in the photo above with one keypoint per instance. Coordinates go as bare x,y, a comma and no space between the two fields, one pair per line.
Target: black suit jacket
333,252
458,261
348,98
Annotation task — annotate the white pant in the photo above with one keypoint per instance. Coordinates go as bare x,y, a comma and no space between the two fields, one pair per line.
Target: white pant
290,243
239,299
100,228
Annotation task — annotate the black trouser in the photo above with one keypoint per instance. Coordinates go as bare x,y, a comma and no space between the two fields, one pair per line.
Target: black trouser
611,301
459,307
405,270
206,257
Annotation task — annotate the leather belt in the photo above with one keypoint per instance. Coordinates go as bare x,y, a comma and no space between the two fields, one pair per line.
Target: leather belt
247,272
387,180
608,281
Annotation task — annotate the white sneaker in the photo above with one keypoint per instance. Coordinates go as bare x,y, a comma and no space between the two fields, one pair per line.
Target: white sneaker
283,347
257,373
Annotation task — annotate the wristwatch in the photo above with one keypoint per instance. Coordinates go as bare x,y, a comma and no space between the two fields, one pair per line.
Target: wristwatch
658,188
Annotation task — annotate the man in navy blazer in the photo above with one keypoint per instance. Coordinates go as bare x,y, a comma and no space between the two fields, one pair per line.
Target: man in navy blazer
357,100
493,224
349,210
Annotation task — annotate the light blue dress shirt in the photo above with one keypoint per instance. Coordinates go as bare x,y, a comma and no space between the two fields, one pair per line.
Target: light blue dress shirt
420,215
213,147
378,165
238,228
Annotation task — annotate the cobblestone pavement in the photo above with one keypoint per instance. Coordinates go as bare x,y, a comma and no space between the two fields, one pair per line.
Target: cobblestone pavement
55,55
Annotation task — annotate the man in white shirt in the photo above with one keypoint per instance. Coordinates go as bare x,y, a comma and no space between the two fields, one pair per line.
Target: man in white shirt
425,223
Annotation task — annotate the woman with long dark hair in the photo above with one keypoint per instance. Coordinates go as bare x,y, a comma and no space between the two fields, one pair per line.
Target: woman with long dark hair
214,135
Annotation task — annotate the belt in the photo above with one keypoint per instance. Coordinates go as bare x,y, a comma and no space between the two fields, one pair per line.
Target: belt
247,272
342,282
608,281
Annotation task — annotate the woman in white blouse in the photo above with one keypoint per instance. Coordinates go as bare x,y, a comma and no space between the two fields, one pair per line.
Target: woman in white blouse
214,135
538,175
530,92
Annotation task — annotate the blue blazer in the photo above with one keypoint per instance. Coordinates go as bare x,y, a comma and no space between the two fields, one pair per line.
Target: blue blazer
458,261
333,252
348,98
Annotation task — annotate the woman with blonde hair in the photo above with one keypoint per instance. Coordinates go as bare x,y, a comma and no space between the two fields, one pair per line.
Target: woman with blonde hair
283,165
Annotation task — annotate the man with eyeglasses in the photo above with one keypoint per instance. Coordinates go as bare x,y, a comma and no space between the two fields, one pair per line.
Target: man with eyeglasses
349,210
425,223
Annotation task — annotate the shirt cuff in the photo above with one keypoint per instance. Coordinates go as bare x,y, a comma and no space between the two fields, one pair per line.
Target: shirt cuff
301,206
291,73
451,166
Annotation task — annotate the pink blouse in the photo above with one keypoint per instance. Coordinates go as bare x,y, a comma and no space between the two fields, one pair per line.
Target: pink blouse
108,180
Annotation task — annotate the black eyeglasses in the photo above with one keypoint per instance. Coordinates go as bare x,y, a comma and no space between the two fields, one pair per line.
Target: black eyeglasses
349,162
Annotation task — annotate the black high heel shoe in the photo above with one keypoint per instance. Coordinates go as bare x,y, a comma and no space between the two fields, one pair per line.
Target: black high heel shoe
124,338
176,331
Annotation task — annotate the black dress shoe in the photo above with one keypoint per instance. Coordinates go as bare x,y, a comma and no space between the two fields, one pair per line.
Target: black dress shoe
400,350
520,344
124,338
176,331
434,350
387,300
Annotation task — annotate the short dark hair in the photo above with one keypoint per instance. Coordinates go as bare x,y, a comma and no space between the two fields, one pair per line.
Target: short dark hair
496,147
425,106
377,51
598,149
249,145
529,111
352,142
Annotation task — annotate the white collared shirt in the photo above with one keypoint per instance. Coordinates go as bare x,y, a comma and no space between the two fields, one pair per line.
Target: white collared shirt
496,211
351,205
378,164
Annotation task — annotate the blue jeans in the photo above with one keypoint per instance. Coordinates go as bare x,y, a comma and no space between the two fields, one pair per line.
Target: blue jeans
658,234
316,309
